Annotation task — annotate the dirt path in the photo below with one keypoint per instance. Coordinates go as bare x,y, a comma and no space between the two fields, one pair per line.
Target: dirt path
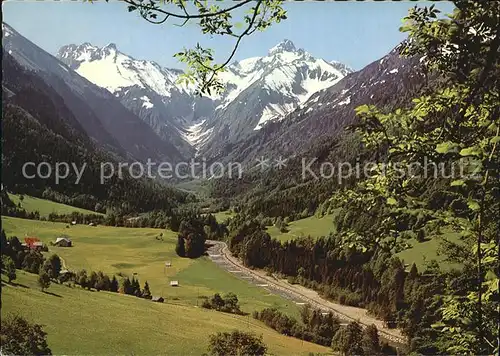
219,253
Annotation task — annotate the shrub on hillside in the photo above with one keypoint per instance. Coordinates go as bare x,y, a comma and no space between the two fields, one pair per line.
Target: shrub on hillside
227,304
236,343
20,337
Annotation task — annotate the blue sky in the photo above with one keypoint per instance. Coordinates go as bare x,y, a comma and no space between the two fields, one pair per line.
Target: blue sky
354,33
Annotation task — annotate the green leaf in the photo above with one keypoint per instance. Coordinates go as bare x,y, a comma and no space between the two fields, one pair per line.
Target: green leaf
495,139
391,201
473,205
439,324
490,276
445,147
470,151
457,183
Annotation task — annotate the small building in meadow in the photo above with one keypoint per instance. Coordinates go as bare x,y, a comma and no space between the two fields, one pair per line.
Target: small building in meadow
34,243
174,283
168,264
63,241
157,299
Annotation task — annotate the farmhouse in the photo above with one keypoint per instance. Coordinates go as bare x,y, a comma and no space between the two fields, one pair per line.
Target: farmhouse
157,299
37,245
174,283
33,243
63,241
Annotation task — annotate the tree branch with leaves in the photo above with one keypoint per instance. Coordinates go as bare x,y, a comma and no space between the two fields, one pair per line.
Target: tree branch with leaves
212,20
455,123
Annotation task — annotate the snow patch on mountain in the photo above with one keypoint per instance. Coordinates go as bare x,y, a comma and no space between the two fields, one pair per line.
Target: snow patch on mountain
146,102
274,112
345,101
195,134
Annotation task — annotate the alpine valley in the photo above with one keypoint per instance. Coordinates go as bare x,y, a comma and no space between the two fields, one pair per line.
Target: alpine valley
286,105
320,231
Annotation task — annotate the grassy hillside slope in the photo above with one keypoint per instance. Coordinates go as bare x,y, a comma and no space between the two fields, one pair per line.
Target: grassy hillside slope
97,323
311,226
137,250
45,207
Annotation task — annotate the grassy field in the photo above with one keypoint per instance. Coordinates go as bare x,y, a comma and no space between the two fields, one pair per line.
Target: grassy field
423,252
222,216
101,323
311,226
45,207
195,186
126,250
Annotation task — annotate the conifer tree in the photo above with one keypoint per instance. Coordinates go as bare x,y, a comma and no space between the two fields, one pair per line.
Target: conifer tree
114,287
146,293
126,286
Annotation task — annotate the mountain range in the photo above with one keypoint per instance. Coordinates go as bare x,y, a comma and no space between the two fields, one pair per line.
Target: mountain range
280,103
257,90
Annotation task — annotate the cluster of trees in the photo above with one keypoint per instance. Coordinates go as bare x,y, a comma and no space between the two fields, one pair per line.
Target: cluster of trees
95,280
190,240
236,343
80,218
314,327
15,256
454,123
132,287
194,229
354,340
8,268
227,304
100,281
172,219
34,142
50,270
190,224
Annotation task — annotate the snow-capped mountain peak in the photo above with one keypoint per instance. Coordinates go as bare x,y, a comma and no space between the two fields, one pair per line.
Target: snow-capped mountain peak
257,89
283,46
111,69
263,89
111,46
7,30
